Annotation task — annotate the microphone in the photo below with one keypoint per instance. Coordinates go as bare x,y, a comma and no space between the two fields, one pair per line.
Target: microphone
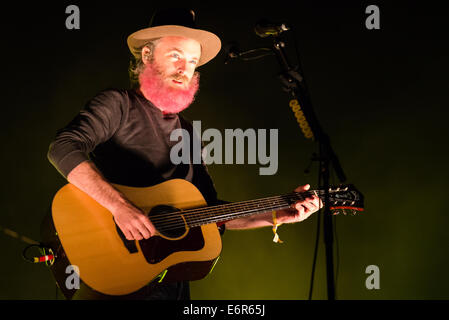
265,28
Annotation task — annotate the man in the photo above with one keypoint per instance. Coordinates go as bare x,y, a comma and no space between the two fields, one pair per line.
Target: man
123,136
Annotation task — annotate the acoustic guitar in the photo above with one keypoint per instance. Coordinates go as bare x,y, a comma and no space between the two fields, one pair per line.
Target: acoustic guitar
82,233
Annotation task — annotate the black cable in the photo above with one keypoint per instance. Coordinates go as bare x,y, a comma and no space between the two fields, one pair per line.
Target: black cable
337,264
24,256
45,257
318,228
337,258
319,183
317,239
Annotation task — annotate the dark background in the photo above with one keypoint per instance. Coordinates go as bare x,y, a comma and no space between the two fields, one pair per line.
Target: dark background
381,95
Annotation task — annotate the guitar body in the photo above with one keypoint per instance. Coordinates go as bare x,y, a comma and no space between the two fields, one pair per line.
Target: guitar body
87,237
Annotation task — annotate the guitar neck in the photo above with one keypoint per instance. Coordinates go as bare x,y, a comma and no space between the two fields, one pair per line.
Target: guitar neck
218,213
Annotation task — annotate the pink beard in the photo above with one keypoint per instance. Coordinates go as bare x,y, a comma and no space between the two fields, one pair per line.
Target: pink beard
164,97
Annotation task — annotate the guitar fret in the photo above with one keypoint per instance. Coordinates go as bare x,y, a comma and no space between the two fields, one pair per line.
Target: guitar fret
235,210
206,215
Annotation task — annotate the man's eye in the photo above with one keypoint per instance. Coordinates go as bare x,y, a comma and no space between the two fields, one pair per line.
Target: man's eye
194,62
175,55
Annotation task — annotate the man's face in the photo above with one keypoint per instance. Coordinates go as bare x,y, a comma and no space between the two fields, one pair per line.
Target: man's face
169,80
176,58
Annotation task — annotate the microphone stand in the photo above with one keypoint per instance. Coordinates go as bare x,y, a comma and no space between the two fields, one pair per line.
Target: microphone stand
294,83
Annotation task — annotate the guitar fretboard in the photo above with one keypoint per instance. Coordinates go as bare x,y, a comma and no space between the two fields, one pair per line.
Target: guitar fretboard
224,212
341,199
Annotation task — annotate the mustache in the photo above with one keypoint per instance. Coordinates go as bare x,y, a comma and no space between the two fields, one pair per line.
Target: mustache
179,77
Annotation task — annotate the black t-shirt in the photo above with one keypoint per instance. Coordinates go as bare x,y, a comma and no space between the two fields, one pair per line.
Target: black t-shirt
128,139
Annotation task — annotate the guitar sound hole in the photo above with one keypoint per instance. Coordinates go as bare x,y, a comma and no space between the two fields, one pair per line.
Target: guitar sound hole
167,221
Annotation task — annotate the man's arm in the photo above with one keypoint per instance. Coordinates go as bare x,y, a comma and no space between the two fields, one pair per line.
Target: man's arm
68,153
251,222
130,219
300,211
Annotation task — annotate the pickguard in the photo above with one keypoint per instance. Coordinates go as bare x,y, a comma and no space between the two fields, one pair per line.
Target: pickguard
156,249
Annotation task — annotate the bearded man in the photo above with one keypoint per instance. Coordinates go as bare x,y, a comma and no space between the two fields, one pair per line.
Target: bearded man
123,137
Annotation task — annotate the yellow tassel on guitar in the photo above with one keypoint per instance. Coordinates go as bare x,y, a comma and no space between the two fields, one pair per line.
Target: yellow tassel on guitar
275,228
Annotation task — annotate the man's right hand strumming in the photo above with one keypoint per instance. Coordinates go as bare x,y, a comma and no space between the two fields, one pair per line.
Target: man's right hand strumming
133,222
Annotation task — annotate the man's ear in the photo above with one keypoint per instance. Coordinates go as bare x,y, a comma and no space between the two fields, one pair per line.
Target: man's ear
146,55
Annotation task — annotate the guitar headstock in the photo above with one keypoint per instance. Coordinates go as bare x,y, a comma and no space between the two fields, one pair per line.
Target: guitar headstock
345,199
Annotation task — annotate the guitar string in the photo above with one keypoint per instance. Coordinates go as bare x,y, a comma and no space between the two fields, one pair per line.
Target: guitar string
198,214
163,226
276,202
209,211
235,206
180,224
223,214
205,214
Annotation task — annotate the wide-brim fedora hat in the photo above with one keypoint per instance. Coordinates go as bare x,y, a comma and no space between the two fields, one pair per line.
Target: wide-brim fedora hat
175,22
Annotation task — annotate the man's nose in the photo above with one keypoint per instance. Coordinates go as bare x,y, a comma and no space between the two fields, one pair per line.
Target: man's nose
181,67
